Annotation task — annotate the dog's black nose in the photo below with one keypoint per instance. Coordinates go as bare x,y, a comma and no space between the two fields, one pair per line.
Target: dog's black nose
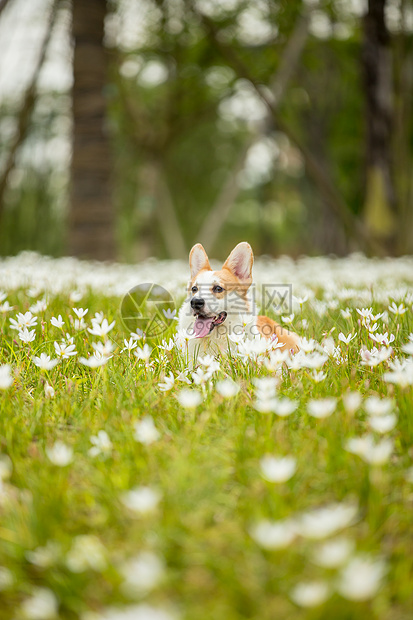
197,303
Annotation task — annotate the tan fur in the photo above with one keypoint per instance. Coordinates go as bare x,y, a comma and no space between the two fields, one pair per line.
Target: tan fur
267,328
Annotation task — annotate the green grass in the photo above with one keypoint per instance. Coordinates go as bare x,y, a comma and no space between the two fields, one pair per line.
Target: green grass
206,466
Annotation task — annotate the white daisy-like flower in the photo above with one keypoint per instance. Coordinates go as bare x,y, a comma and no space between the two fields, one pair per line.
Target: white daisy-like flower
326,521
333,553
397,310
352,401
60,454
227,388
57,322
44,362
49,391
96,360
143,353
87,552
383,423
129,345
361,578
321,408
80,312
101,444
64,350
142,573
370,451
41,605
23,320
273,534
277,469
168,383
141,500
310,593
346,339
6,378
27,336
189,399
101,329
376,406
146,431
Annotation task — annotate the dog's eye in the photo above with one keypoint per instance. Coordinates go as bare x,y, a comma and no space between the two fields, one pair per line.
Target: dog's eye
217,289
194,289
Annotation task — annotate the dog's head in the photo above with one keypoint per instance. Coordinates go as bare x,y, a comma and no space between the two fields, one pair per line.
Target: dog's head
215,296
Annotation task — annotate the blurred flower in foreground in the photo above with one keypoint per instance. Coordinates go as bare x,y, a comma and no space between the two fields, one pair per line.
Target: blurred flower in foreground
326,521
277,469
101,444
141,500
44,362
189,399
227,388
146,431
333,553
273,534
383,423
60,454
352,401
168,383
6,378
321,408
143,611
310,594
44,556
48,391
374,405
142,573
42,605
361,578
87,552
371,452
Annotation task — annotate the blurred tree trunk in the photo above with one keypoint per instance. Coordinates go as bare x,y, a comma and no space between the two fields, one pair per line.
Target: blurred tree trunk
379,205
91,217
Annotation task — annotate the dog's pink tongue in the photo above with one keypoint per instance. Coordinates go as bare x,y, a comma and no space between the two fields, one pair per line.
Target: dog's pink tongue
202,327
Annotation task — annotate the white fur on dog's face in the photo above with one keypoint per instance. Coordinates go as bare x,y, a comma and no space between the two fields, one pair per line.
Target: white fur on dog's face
219,294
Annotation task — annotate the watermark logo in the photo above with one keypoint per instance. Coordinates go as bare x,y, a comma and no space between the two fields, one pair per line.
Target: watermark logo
277,298
148,309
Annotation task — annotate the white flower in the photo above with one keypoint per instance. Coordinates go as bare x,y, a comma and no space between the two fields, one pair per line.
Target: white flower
6,378
376,406
5,307
317,377
129,345
87,552
352,401
42,605
397,310
48,391
23,320
44,362
60,454
346,314
306,345
101,444
326,521
143,353
375,356
59,322
79,324
383,423
277,469
80,312
346,339
371,452
167,346
170,314
104,348
310,594
189,399
288,319
333,553
64,350
227,388
44,556
94,361
408,348
75,296
146,431
168,383
100,328
283,406
142,573
273,534
361,578
402,373
27,336
321,408
141,500
143,611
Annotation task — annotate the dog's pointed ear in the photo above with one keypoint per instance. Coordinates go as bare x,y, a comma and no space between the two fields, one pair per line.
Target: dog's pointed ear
240,262
198,260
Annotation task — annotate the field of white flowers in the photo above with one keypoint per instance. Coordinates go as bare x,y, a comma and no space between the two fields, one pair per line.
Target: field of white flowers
256,485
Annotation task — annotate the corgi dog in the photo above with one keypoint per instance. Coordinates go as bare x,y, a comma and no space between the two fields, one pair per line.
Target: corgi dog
220,305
